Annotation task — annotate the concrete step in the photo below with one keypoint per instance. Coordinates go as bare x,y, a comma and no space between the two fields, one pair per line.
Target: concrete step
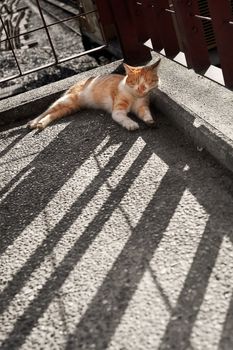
200,107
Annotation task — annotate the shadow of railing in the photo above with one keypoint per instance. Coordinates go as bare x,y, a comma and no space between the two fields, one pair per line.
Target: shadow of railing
122,280
53,167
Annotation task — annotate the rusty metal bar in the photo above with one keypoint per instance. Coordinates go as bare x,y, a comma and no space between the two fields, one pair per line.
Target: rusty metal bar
44,27
11,78
49,25
53,63
134,52
47,31
170,11
11,46
192,34
101,47
165,23
203,17
221,12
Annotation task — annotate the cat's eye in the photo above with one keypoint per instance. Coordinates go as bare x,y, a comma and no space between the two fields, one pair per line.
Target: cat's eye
131,81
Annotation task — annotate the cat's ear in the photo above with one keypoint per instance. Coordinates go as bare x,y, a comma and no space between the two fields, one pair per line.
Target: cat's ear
128,69
155,65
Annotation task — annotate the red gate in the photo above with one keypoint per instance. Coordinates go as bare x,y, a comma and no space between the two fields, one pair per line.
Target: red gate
174,26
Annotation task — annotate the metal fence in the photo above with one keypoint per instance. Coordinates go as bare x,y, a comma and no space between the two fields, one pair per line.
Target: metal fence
192,28
12,34
188,31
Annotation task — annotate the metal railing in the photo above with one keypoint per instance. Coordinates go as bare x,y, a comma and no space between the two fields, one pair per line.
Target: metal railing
174,27
45,26
177,26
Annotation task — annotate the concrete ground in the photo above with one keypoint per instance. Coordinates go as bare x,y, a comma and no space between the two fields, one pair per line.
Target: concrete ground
113,240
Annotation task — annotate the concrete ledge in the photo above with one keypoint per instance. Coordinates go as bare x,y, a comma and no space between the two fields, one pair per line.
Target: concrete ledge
32,103
203,134
200,107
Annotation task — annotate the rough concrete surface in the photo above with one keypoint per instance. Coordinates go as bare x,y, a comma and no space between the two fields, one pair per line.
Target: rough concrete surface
200,107
113,240
210,101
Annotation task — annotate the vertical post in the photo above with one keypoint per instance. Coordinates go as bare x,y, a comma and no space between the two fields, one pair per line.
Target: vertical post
104,11
134,51
165,25
105,17
221,14
149,23
139,10
192,35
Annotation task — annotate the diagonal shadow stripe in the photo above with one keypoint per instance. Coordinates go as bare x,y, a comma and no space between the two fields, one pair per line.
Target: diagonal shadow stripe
179,328
52,168
15,179
13,143
37,307
159,287
226,341
51,240
108,306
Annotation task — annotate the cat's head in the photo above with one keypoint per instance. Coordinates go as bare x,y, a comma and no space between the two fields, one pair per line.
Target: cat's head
141,80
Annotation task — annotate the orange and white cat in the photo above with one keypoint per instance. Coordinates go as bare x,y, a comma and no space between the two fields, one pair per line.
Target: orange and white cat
114,93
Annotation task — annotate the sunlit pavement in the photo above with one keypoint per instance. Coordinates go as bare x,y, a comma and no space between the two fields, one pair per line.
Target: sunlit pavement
113,240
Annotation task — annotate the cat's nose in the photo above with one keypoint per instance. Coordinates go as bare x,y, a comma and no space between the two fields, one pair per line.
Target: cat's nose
141,88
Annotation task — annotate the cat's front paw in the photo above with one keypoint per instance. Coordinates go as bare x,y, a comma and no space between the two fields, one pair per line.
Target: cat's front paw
35,125
31,125
40,126
151,122
131,125
148,120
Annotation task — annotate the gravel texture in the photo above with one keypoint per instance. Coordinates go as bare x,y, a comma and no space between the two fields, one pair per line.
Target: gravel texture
66,43
113,240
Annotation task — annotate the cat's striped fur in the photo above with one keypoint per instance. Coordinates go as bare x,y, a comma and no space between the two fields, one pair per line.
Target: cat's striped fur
115,93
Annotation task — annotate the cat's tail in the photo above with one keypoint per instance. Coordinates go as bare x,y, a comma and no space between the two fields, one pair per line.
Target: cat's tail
65,105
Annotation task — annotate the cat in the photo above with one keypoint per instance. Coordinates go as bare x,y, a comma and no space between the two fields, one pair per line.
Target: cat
114,93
